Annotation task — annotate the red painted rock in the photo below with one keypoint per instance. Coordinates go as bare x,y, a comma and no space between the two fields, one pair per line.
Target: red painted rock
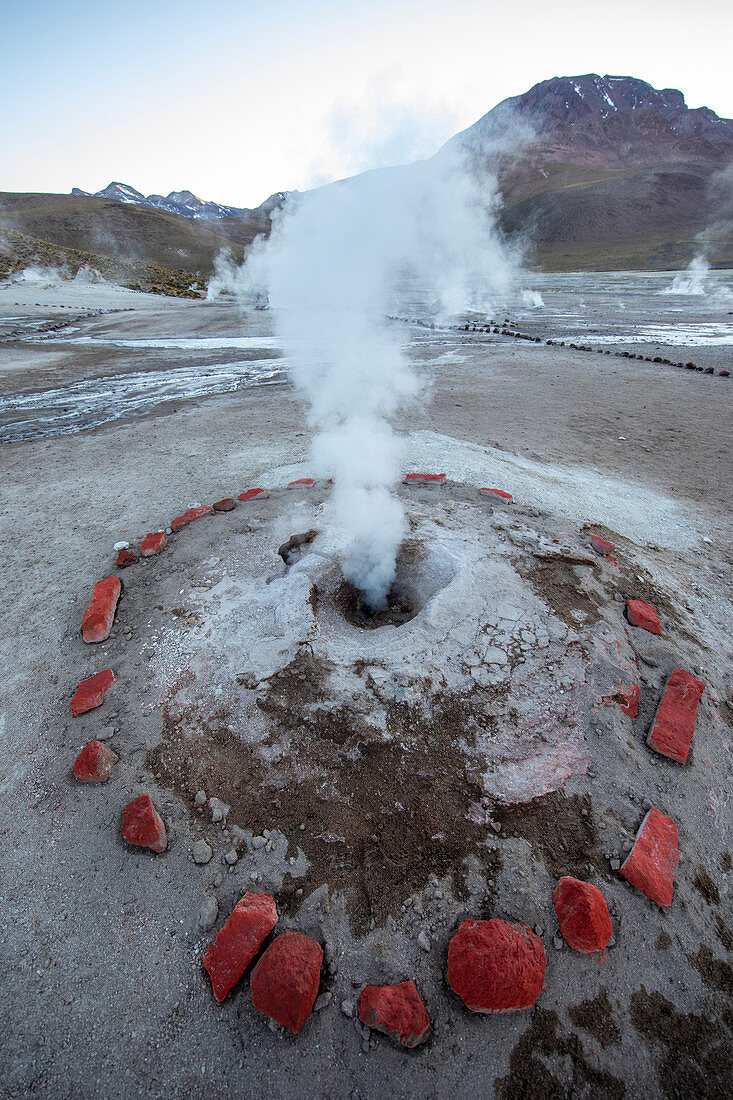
498,493
94,763
651,864
190,516
154,543
90,692
142,824
642,614
125,558
582,914
410,479
225,505
301,483
99,616
496,965
250,494
601,546
245,930
285,980
396,1010
674,722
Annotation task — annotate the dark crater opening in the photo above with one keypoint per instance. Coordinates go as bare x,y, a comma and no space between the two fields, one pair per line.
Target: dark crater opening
354,608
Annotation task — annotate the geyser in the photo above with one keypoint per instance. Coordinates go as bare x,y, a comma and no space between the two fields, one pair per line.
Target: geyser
335,261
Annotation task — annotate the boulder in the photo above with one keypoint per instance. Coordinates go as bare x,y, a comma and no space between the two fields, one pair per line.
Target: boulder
154,543
190,516
142,825
285,980
125,558
582,914
99,616
496,965
244,932
674,722
90,693
651,864
396,1010
250,494
225,505
94,763
642,614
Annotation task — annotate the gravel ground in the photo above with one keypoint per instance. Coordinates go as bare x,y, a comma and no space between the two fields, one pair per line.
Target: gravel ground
103,993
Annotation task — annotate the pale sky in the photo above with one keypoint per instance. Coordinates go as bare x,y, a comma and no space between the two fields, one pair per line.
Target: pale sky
237,100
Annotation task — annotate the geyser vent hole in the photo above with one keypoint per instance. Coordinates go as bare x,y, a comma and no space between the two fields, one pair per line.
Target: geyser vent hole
357,611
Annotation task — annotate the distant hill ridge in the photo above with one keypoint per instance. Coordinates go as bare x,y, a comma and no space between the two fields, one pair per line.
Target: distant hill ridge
184,203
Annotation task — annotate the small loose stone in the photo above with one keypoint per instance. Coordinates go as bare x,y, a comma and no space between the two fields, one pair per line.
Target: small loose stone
208,913
201,852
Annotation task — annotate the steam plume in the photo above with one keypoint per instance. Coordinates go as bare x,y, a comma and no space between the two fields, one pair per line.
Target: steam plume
335,261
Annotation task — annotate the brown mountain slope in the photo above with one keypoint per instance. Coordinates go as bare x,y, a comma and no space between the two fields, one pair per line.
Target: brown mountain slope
609,172
137,244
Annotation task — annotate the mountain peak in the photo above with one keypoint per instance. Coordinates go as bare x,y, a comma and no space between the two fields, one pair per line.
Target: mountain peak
177,202
619,118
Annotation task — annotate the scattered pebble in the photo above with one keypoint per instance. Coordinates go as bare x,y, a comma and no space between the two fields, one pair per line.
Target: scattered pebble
423,941
219,810
208,913
322,1001
231,856
201,852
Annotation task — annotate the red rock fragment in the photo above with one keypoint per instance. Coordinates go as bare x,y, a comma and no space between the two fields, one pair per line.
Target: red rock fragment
250,494
154,544
245,930
224,505
125,558
409,479
94,763
642,614
190,516
674,722
90,693
627,698
583,915
301,483
99,616
285,980
496,965
397,1011
601,546
651,864
142,824
497,493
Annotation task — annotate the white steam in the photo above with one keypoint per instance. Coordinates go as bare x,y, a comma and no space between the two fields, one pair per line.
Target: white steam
692,279
336,262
